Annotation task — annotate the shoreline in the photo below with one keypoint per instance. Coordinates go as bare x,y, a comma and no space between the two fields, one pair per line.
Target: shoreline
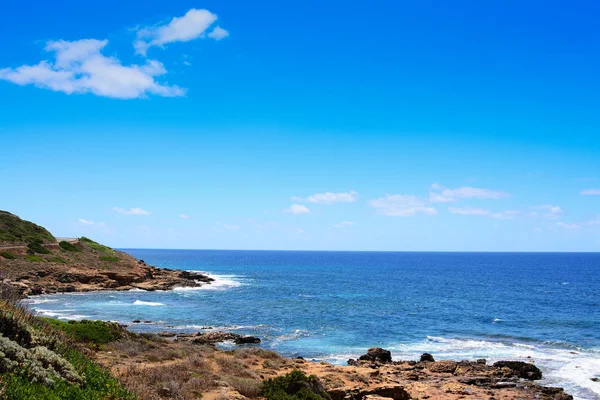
397,366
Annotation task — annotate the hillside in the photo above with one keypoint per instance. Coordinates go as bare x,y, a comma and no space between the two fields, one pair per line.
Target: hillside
32,261
16,231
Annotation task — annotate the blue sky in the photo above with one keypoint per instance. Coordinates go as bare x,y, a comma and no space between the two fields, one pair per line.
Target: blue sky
462,126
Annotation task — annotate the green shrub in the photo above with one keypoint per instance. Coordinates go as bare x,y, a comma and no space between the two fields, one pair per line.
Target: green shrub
8,255
96,246
96,332
109,258
38,248
34,258
68,246
98,384
294,386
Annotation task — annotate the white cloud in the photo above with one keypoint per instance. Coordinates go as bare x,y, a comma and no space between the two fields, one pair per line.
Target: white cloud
399,205
587,179
184,216
507,214
591,192
231,227
80,67
550,211
330,198
441,194
130,211
192,25
595,221
218,33
567,226
344,224
297,209
85,221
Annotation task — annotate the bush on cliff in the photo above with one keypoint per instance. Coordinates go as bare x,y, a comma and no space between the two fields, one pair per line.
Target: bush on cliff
8,255
68,246
96,246
96,332
38,248
294,386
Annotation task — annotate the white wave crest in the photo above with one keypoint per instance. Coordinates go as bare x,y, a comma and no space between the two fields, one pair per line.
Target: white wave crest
41,301
60,314
220,282
561,366
147,303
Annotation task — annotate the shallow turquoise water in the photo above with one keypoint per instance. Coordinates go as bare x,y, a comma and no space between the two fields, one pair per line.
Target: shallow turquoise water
334,305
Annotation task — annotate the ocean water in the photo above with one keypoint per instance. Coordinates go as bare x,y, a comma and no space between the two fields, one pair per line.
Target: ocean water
332,306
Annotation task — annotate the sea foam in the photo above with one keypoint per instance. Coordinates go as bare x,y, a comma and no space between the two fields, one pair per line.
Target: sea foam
147,303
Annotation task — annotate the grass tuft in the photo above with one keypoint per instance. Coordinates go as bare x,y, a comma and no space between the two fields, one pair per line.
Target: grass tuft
8,255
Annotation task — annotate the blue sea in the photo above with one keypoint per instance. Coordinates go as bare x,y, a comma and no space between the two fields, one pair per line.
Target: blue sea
540,307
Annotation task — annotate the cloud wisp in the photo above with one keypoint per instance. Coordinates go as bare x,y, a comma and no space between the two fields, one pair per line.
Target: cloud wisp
547,211
193,25
297,209
440,194
400,205
329,197
483,212
344,225
130,211
591,192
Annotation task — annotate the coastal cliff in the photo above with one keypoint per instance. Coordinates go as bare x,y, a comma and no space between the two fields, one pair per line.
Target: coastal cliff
35,262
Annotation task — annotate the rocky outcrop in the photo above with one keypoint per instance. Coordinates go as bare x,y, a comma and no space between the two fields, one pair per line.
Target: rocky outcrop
522,369
210,338
377,354
89,270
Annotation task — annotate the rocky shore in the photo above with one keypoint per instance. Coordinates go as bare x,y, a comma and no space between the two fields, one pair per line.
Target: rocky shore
374,376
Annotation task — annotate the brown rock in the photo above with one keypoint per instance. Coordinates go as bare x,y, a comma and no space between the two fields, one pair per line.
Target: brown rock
446,367
521,369
377,354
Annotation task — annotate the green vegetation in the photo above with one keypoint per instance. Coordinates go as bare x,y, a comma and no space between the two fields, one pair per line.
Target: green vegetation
96,332
8,255
68,246
38,361
109,258
57,259
294,386
96,246
98,384
38,248
34,258
14,230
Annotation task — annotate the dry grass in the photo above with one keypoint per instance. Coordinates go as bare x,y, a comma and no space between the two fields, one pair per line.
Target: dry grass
245,386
